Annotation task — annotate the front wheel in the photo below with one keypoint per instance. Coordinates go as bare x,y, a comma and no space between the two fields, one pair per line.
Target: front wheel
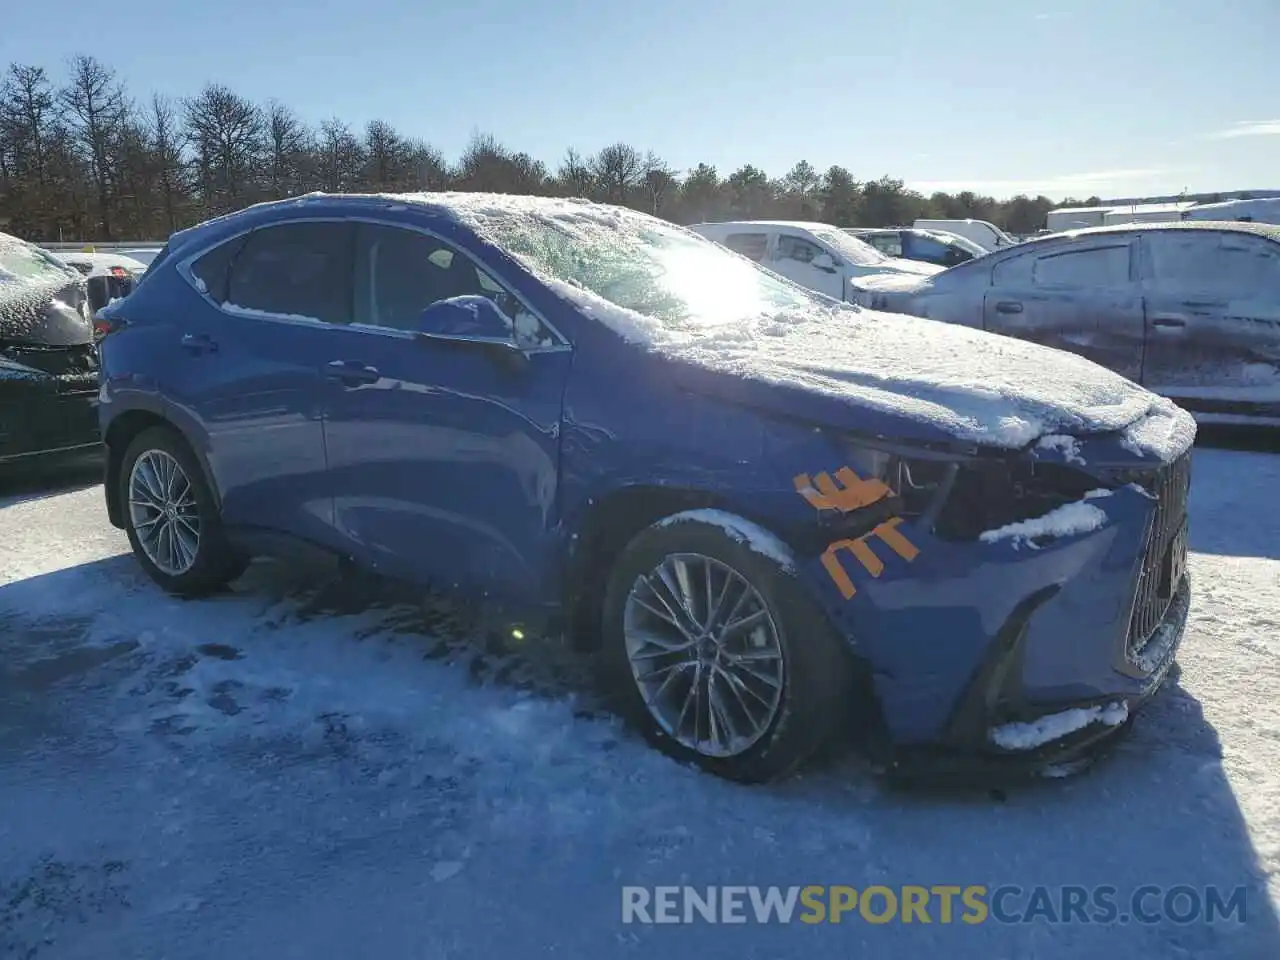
715,652
171,517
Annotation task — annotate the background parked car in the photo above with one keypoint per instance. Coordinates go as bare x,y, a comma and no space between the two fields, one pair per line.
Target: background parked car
108,275
982,232
815,255
927,246
1191,310
48,366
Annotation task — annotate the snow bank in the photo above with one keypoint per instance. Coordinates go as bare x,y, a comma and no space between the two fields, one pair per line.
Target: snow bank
1068,520
1055,726
976,386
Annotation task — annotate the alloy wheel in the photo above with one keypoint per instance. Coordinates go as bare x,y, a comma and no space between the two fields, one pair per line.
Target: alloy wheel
705,654
164,513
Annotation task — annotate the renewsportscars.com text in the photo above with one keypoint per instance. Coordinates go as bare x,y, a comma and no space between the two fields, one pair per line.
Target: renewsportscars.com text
943,903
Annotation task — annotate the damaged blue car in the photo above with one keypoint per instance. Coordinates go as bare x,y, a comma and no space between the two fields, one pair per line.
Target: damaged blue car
773,516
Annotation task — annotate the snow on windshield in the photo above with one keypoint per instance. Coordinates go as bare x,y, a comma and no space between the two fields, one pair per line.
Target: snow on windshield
858,252
637,263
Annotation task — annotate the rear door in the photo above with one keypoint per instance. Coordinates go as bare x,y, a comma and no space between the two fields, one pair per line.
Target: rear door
246,363
1213,319
1082,297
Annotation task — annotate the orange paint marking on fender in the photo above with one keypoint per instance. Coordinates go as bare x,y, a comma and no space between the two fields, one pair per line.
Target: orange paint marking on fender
853,493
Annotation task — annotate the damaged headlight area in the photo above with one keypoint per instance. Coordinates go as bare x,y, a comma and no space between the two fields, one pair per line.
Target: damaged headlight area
956,497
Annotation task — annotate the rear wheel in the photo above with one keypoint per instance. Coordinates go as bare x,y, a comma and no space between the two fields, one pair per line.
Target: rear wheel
171,518
717,655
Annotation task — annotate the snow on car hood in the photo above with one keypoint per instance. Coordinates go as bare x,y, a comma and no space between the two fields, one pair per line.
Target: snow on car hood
827,362
892,282
898,267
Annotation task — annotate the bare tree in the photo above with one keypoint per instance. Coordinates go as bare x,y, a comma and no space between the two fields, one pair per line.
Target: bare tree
575,176
618,170
96,109
288,143
659,181
227,135
341,157
166,157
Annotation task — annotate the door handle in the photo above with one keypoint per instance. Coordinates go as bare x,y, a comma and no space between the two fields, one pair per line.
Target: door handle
351,372
1008,306
1167,321
199,343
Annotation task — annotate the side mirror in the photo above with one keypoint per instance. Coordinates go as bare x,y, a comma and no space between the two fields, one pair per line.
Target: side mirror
824,262
465,318
471,322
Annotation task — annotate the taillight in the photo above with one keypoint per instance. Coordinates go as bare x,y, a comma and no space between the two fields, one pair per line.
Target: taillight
120,273
103,325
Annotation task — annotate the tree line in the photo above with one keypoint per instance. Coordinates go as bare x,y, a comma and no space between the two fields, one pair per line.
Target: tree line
85,160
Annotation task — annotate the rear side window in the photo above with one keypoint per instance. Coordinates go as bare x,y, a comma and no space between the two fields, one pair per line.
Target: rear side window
297,270
751,245
1230,264
213,270
1101,266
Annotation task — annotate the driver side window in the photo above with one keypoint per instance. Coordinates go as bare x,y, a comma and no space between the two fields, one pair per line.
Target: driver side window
399,273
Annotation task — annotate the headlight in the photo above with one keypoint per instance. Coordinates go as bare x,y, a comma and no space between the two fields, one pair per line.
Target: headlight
959,497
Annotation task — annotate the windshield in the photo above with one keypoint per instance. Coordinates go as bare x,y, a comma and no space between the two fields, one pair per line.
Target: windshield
858,252
645,266
22,261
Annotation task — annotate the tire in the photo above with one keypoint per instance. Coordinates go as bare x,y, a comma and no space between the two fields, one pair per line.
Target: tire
813,670
202,560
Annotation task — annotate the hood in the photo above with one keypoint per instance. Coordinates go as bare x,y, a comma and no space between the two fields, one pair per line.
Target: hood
893,282
51,313
897,267
903,376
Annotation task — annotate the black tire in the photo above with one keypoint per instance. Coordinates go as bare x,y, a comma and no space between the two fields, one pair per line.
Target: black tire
817,674
216,562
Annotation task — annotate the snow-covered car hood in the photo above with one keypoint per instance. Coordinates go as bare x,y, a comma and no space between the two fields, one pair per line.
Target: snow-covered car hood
893,282
898,267
835,365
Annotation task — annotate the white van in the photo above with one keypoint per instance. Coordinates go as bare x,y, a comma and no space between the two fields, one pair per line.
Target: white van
984,234
814,255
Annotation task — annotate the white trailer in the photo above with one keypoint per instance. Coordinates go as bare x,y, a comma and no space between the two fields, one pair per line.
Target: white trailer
1075,218
1256,211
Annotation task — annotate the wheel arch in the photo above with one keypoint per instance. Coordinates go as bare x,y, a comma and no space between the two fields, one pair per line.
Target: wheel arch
121,432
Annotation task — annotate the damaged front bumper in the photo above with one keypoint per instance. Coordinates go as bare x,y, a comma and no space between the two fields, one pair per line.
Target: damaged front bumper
1017,654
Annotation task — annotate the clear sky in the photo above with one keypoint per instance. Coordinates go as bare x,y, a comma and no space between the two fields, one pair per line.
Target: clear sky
1108,97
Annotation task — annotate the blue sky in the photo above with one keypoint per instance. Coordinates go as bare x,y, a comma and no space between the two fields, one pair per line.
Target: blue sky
1113,97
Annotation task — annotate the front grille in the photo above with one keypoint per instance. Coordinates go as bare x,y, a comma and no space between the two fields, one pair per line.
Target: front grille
1162,562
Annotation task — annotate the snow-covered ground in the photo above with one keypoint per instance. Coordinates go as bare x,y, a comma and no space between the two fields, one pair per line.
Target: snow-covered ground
260,776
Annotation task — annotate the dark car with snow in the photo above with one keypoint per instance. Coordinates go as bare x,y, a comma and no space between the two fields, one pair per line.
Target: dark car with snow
48,365
770,513
927,246
1190,310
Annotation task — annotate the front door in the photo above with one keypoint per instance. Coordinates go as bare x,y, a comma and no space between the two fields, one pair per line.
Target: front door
1213,320
443,458
794,256
1083,299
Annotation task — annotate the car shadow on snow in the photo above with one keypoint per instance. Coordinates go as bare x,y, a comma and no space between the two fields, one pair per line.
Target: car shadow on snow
1230,492
23,482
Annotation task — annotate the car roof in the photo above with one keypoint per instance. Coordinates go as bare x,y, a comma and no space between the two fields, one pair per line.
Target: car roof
1268,230
795,224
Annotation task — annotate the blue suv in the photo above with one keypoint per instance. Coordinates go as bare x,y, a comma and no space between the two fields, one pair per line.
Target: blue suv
766,511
